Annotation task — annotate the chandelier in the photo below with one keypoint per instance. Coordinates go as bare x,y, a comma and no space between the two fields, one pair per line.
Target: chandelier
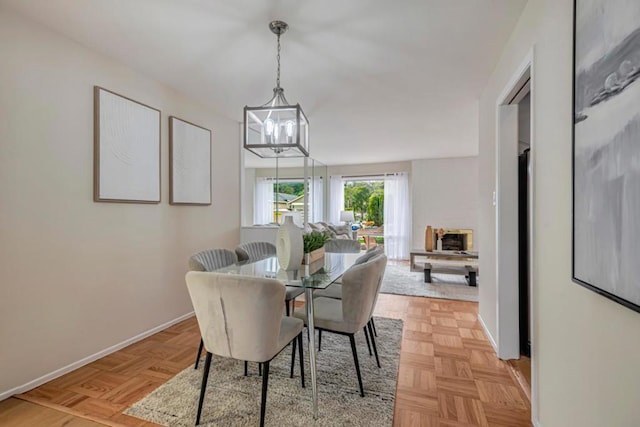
276,129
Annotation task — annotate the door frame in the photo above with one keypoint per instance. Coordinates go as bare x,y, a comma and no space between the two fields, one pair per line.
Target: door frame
509,348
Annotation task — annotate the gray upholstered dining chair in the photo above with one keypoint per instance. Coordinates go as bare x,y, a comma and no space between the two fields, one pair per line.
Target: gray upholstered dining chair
254,251
335,289
371,326
350,314
240,317
210,260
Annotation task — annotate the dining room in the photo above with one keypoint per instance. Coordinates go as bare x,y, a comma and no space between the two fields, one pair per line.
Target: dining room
129,295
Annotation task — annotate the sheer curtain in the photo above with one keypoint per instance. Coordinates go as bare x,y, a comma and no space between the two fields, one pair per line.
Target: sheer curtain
397,218
263,201
336,199
317,200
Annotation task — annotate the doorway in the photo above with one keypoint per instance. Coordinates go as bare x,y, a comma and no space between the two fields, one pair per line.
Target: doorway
524,182
514,226
522,365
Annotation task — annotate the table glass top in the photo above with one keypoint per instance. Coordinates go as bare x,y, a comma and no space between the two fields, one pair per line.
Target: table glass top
334,266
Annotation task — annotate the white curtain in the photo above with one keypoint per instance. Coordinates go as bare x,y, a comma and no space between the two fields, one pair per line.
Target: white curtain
263,201
397,218
317,200
336,199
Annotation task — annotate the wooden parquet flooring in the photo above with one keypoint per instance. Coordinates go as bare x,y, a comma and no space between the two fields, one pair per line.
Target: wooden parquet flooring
15,412
449,375
521,369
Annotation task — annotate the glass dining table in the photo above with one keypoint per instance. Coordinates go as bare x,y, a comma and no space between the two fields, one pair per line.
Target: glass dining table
308,277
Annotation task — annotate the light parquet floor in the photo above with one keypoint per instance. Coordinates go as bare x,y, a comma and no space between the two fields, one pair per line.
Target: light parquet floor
16,412
449,374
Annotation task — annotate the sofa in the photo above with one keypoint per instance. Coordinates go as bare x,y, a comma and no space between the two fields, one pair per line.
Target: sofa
333,231
268,233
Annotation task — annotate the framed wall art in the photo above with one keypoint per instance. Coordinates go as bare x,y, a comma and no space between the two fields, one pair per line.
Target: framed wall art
126,149
606,149
189,163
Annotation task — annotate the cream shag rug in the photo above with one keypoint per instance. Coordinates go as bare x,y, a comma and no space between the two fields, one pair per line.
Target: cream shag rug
399,280
234,400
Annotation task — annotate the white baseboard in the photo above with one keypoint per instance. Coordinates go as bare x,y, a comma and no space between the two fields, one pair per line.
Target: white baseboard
488,334
75,365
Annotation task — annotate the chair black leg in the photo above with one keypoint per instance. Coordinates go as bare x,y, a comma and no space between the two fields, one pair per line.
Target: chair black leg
205,376
319,339
373,342
286,308
260,369
374,327
265,383
366,335
301,354
246,368
355,360
293,356
199,353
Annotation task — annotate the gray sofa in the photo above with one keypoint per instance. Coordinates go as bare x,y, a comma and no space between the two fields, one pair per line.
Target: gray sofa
333,231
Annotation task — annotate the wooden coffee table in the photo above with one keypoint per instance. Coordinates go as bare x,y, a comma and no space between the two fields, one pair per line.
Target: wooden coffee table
449,262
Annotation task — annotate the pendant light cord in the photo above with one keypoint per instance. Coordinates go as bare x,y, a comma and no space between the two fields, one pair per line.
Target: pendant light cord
278,57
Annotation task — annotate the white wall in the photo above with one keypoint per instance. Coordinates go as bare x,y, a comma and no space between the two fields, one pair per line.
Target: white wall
77,277
585,347
444,194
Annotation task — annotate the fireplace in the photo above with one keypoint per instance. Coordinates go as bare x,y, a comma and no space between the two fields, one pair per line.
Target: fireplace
453,239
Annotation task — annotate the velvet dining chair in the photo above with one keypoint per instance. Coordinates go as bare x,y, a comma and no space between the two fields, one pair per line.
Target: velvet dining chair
240,317
210,260
350,314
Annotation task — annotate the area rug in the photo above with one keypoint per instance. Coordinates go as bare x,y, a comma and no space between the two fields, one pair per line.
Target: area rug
234,400
399,280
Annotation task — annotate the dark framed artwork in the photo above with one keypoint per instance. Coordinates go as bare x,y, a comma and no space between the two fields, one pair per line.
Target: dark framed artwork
189,163
126,149
606,149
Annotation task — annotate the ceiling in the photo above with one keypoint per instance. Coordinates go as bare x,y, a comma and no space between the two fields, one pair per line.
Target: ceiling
379,80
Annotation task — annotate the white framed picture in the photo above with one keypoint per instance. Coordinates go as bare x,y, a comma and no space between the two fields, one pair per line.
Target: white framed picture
189,163
126,149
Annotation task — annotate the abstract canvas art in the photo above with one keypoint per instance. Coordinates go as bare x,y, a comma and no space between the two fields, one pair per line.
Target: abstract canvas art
606,149
189,163
126,149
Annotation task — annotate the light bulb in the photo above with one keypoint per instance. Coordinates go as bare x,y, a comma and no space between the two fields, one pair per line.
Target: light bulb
289,127
269,127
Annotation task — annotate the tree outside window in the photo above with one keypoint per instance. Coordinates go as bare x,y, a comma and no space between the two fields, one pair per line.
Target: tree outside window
366,199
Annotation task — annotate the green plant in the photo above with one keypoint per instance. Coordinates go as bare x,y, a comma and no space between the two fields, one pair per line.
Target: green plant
314,240
375,210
